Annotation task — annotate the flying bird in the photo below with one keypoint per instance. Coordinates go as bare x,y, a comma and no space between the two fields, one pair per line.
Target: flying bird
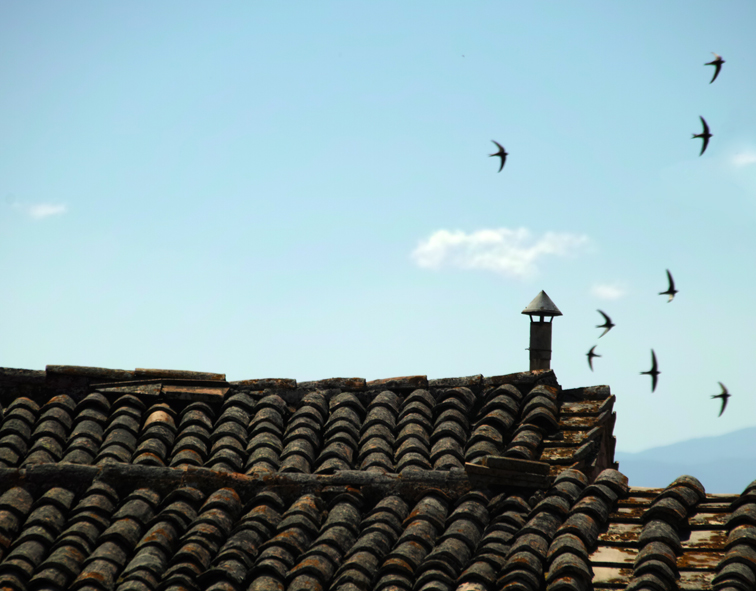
724,396
704,135
502,153
717,63
591,355
607,326
653,372
671,291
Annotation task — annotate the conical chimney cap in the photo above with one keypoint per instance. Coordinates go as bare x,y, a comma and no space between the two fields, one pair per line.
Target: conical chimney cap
542,306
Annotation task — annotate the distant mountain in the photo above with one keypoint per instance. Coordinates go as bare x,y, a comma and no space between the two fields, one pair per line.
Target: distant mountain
723,464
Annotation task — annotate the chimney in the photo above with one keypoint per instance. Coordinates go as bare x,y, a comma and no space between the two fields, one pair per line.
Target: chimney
540,330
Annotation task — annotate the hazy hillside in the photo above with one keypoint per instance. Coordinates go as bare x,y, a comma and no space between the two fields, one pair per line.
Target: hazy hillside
724,464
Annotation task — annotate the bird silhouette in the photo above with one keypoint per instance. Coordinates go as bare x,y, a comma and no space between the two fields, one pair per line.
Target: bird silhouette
724,396
717,63
502,153
653,372
704,135
671,291
607,326
591,355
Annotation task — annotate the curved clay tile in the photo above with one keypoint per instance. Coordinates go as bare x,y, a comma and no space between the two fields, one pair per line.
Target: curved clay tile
361,563
229,436
543,418
737,569
294,534
15,505
16,430
193,440
265,432
451,428
341,434
40,530
526,561
90,419
539,399
484,441
505,397
613,479
421,528
451,414
602,491
419,400
656,563
414,428
569,553
238,553
88,519
199,545
157,437
51,431
668,509
318,564
305,425
376,448
102,567
568,543
121,432
658,530
456,544
507,515
525,442
554,504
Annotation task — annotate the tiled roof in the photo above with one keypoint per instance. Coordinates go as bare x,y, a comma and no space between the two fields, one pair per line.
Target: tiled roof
161,480
678,537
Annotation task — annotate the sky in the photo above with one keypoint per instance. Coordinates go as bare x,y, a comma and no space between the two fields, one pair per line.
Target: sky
304,190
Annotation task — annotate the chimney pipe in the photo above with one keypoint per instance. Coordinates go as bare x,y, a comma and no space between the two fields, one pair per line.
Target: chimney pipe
540,330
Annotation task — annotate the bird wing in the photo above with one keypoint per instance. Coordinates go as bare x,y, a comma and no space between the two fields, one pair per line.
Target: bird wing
724,404
671,281
724,390
705,139
502,153
653,382
718,66
590,357
608,324
653,363
705,125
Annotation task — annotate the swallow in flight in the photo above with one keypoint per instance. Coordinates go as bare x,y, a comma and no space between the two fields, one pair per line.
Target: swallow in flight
724,396
607,326
671,291
704,135
717,63
653,372
502,153
591,355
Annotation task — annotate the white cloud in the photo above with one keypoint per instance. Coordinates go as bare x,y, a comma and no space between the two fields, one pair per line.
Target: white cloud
744,158
509,252
40,210
607,291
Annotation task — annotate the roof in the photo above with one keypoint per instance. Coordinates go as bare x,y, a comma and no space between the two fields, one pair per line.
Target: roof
157,480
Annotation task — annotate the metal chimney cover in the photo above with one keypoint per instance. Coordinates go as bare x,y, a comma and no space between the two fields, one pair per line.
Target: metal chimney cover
542,306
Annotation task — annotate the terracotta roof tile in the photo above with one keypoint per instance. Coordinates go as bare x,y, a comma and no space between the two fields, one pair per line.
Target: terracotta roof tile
268,485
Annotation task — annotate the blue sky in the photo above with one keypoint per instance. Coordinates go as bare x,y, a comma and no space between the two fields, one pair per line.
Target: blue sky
303,190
